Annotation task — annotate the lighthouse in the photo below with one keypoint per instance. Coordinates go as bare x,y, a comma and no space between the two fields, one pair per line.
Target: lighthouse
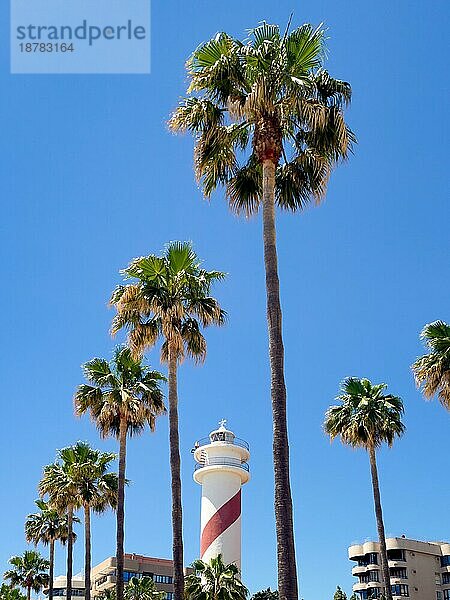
221,469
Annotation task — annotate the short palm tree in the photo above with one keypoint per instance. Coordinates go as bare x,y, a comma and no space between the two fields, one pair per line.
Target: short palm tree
170,298
215,581
367,418
60,482
29,571
8,592
108,594
97,491
123,396
432,371
47,527
266,594
268,125
142,588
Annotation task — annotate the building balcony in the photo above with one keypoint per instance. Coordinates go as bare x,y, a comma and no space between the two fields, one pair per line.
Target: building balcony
359,569
362,587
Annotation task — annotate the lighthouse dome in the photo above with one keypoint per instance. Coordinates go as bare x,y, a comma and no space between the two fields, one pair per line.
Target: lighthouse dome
222,434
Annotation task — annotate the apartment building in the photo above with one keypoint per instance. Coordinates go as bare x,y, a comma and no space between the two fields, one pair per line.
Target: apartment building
418,570
103,575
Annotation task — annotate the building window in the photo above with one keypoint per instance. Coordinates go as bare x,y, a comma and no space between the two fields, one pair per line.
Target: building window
169,596
438,595
445,578
398,572
445,561
162,578
446,594
400,590
127,575
368,559
437,579
62,592
396,554
368,577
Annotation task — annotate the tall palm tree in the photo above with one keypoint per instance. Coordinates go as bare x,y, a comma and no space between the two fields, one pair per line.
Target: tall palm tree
29,571
60,482
268,125
432,371
215,581
96,490
367,418
170,298
47,527
143,588
123,396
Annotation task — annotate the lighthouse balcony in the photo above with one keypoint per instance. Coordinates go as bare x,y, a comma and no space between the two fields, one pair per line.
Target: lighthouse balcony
222,437
215,461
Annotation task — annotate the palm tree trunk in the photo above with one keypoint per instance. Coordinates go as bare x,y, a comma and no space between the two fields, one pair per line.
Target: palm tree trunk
121,508
51,569
175,469
69,552
380,524
29,592
87,552
287,570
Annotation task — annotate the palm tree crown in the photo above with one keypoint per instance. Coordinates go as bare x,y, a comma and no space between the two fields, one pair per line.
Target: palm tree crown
215,581
46,526
29,571
143,588
366,417
271,95
171,297
432,371
122,388
96,486
8,592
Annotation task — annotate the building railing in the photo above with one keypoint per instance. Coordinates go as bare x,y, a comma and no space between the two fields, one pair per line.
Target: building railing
220,461
236,442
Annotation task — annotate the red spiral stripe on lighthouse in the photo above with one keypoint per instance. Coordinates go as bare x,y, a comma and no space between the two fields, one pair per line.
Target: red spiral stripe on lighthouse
220,521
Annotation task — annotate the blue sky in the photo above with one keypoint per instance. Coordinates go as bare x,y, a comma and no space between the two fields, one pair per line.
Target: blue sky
91,178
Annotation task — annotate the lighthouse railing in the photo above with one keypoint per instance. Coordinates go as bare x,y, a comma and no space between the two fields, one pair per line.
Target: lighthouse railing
213,461
236,442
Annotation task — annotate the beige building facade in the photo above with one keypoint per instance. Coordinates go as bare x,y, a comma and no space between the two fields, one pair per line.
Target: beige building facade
60,585
418,570
103,575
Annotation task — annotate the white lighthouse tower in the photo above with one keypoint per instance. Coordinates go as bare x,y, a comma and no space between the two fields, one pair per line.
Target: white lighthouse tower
221,470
